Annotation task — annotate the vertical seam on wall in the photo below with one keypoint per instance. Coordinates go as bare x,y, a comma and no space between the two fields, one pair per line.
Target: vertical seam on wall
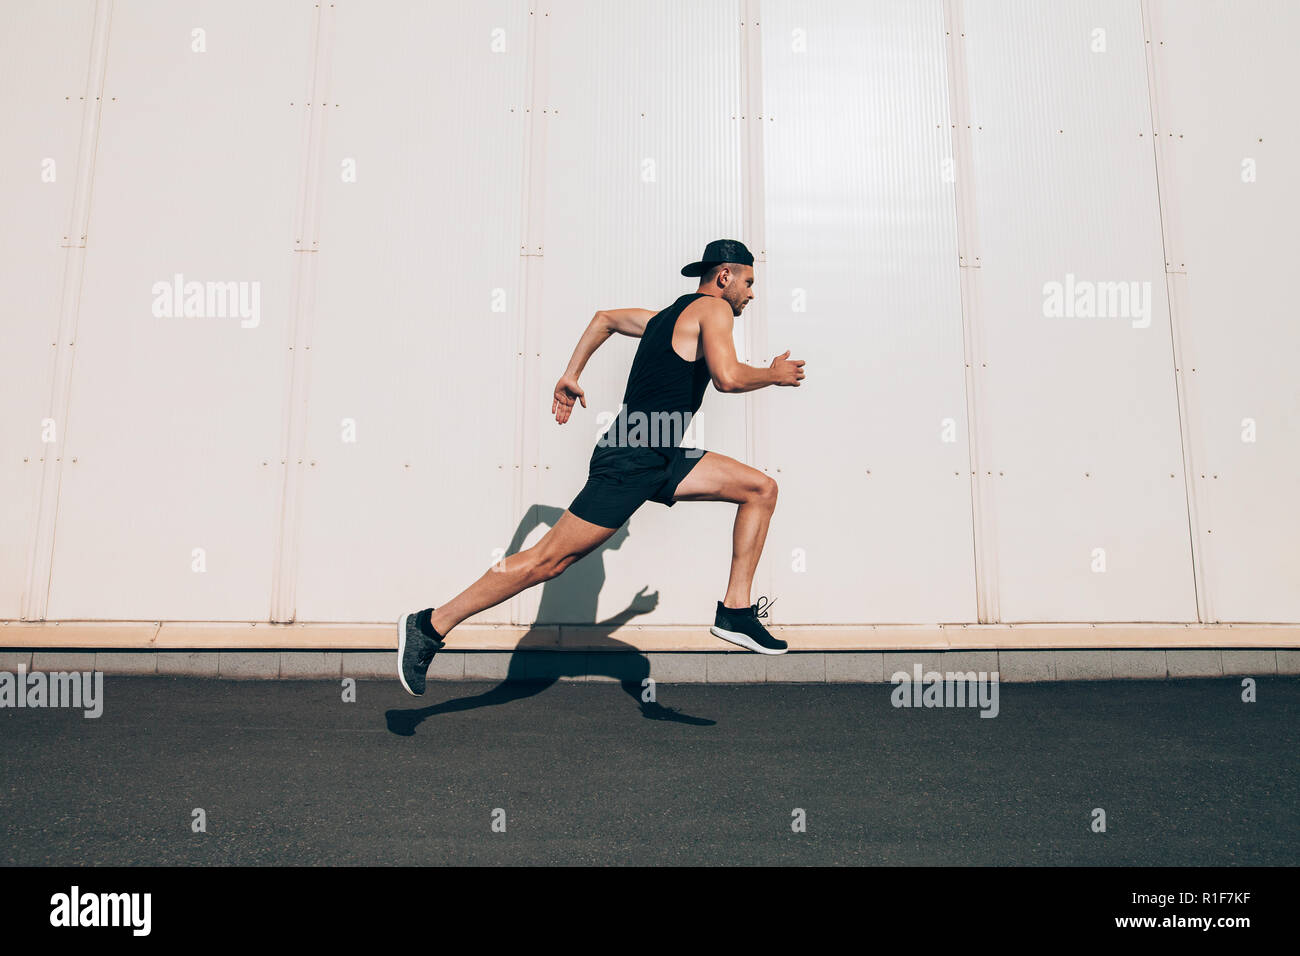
753,214
36,593
983,526
531,252
284,570
1168,230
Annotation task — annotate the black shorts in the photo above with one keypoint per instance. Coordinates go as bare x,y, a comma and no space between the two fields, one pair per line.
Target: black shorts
621,478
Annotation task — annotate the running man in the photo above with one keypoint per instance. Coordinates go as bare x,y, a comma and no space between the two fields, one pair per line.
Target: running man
682,349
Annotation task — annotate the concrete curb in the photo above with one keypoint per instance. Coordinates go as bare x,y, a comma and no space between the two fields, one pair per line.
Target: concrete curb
724,667
218,636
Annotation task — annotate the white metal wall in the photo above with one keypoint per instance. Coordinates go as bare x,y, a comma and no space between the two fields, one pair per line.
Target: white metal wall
435,197
874,515
410,459
45,55
1224,75
1080,414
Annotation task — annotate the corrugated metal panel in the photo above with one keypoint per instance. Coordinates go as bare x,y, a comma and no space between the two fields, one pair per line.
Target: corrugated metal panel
1225,78
642,169
415,255
175,423
862,266
638,158
44,54
1083,433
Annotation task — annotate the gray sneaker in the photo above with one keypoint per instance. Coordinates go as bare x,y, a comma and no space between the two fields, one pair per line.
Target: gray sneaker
414,654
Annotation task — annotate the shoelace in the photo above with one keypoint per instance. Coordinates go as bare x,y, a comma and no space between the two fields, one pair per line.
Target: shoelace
760,608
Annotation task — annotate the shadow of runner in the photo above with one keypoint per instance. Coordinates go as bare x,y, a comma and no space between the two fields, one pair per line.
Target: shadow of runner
572,597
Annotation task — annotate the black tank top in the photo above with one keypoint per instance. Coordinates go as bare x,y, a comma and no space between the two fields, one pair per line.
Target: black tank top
661,380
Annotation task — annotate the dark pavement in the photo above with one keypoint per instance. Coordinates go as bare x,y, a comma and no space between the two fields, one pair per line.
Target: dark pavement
287,773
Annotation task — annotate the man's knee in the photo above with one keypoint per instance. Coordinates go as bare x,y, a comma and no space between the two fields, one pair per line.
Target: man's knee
767,490
543,567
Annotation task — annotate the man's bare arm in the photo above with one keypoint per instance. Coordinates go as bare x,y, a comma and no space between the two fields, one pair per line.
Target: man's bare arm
627,321
602,325
729,374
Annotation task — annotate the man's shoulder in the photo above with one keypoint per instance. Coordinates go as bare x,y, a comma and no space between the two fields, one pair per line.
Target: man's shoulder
707,305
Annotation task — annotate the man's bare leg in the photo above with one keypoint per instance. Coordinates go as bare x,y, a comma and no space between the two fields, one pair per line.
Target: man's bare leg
747,538
720,478
566,542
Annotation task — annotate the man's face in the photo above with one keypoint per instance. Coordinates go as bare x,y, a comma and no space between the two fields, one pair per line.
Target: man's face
740,289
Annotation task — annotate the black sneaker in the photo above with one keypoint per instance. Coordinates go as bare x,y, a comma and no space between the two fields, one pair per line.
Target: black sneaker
414,654
741,626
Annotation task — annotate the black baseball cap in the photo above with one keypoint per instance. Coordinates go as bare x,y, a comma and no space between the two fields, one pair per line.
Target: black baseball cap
719,250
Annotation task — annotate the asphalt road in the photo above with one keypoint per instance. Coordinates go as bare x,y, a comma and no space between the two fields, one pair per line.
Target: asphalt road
288,773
